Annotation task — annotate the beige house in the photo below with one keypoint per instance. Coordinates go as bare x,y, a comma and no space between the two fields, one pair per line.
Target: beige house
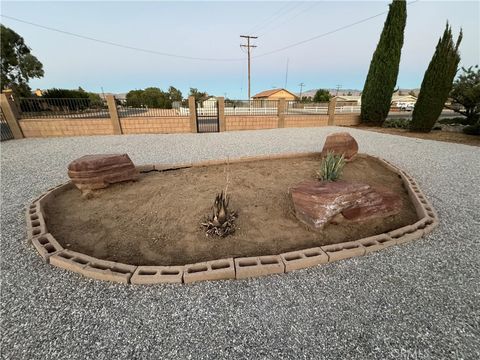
352,100
399,100
210,103
275,94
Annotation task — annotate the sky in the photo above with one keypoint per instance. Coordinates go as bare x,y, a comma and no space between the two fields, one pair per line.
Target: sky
211,30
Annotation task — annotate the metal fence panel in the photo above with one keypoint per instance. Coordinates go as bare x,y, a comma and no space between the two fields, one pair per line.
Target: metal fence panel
5,129
129,111
347,109
251,107
298,108
64,108
207,117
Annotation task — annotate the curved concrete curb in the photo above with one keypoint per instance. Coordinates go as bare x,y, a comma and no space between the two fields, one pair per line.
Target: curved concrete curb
231,268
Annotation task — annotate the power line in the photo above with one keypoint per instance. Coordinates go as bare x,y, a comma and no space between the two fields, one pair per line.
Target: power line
193,57
269,18
266,24
327,33
121,45
276,26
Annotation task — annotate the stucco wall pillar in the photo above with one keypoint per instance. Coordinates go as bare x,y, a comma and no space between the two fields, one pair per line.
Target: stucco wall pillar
331,111
11,116
281,110
112,109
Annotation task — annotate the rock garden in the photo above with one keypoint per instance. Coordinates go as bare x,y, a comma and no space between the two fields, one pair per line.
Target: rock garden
227,219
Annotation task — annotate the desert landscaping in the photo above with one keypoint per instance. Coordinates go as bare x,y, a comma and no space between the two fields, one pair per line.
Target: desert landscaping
240,180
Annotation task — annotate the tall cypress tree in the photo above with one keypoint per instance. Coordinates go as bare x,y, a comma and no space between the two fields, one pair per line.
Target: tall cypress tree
383,72
437,82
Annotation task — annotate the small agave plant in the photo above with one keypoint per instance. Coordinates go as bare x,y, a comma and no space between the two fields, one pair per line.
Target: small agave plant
222,221
331,167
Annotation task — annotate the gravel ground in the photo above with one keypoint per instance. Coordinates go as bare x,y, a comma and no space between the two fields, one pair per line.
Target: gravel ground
416,301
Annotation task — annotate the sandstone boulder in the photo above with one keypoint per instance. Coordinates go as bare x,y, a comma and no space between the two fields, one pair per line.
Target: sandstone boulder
91,172
316,203
378,203
341,143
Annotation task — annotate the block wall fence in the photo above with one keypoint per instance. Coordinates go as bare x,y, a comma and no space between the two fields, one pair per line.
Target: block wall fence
115,125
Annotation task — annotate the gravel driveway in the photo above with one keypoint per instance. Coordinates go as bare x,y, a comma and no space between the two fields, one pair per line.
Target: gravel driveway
416,301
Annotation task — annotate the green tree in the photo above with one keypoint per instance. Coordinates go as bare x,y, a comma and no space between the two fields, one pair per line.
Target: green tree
437,82
55,93
18,65
151,97
412,93
134,98
156,98
198,95
465,94
94,100
382,74
322,95
174,94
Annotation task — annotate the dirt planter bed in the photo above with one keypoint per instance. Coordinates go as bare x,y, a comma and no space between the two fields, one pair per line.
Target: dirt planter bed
170,256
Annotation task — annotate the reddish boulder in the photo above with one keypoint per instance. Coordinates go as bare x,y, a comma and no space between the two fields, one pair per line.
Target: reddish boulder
379,203
316,203
92,172
341,143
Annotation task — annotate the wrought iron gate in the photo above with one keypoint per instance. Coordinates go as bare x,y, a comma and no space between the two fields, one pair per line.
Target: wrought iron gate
207,116
4,128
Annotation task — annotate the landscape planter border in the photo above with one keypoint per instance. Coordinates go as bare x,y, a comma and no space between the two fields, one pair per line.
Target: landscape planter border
229,268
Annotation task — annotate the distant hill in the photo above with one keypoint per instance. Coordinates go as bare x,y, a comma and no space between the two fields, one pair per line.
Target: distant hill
119,96
353,92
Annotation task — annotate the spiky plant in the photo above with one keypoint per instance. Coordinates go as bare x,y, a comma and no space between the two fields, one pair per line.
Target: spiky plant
331,167
222,221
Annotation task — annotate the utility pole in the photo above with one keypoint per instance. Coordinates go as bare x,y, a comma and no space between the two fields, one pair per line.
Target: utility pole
286,75
338,88
248,46
301,90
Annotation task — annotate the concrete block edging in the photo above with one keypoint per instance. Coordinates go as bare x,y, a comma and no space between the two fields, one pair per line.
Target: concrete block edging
229,268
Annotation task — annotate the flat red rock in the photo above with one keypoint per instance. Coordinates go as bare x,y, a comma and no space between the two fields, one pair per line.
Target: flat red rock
92,172
316,203
379,203
341,143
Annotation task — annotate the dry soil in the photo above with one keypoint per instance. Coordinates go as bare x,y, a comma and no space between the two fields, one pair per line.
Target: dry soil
156,220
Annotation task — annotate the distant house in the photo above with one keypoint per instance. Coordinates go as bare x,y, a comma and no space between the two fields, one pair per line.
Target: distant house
403,102
275,94
349,100
210,102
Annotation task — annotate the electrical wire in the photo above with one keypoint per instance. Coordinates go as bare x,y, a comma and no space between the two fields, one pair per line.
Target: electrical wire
268,23
121,45
326,33
269,18
149,51
269,30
